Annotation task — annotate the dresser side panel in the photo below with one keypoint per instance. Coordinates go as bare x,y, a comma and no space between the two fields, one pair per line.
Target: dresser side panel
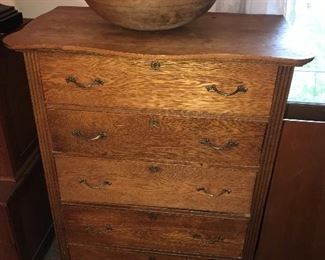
35,84
269,152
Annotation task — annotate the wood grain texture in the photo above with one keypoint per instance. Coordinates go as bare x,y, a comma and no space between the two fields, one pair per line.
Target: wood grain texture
223,36
174,138
155,184
160,117
177,85
82,252
32,65
161,231
268,157
294,220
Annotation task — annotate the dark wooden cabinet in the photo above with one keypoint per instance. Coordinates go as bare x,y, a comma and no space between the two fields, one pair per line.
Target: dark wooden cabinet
294,221
17,128
25,218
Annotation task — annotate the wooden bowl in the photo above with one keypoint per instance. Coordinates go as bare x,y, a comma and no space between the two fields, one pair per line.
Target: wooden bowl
150,15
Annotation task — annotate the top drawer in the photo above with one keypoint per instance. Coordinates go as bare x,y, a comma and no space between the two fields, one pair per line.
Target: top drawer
236,89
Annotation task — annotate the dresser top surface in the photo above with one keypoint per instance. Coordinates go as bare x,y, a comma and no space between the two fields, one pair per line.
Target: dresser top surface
214,35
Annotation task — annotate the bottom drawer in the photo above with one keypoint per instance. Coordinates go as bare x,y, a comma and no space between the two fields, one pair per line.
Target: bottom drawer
78,252
177,232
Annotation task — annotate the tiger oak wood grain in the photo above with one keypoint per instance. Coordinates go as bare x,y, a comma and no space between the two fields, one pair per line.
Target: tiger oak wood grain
155,184
34,79
177,85
174,138
161,231
238,37
82,252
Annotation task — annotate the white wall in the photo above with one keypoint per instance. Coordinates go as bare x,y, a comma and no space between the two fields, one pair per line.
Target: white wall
7,2
34,8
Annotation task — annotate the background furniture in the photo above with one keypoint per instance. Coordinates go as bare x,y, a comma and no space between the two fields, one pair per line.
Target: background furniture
18,141
171,137
25,219
294,221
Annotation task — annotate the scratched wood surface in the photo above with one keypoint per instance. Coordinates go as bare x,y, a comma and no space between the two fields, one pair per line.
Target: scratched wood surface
176,85
161,231
156,137
91,180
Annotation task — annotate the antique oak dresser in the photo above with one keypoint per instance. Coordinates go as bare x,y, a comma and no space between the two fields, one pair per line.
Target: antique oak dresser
158,145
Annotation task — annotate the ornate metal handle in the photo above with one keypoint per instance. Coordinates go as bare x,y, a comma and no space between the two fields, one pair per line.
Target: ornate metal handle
209,240
205,191
228,146
103,230
95,83
98,136
103,185
214,88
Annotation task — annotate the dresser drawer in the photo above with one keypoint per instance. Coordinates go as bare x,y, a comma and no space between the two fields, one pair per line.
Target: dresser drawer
155,230
133,136
80,252
184,85
155,184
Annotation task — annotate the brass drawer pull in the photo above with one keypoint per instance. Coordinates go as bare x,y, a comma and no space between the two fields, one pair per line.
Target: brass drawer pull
214,88
98,136
228,146
95,83
100,186
154,169
205,191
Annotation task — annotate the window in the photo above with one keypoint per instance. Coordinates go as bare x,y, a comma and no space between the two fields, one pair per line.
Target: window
308,84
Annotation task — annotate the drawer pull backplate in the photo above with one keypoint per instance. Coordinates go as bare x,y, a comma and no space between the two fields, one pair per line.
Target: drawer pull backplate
155,65
153,168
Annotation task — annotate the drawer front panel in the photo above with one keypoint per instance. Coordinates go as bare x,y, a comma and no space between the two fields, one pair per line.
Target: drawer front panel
190,85
156,137
79,252
162,231
155,184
